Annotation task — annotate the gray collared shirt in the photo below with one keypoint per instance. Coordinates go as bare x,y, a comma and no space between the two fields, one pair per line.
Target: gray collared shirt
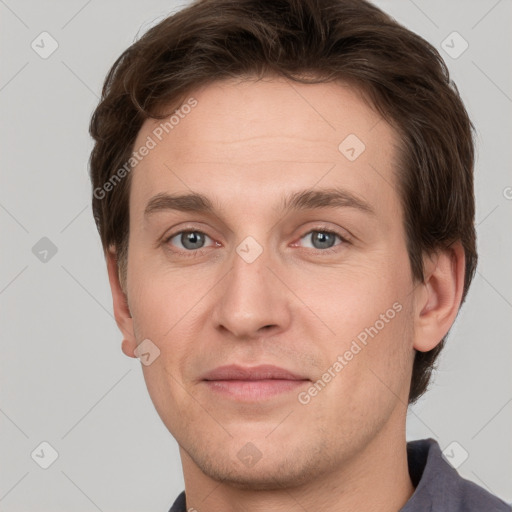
439,488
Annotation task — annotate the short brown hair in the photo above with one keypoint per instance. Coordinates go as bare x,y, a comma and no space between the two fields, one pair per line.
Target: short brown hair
402,75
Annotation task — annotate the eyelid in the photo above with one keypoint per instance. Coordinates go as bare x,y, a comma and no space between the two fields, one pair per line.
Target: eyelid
343,235
167,238
193,227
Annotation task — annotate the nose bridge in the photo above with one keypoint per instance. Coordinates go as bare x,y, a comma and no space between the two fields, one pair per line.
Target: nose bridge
252,297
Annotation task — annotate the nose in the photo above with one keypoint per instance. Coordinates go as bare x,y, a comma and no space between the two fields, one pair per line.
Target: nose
252,301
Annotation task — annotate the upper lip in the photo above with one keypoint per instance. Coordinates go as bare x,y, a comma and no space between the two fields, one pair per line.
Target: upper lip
261,372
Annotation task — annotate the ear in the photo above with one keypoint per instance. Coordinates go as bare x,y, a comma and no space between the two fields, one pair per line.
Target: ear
120,301
438,298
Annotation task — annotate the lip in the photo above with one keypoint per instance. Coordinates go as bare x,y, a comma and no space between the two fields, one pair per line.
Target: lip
252,383
261,372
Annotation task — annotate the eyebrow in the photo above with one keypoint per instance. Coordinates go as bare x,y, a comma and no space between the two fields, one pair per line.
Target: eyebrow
297,201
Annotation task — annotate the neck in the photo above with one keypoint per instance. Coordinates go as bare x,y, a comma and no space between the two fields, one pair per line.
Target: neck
375,478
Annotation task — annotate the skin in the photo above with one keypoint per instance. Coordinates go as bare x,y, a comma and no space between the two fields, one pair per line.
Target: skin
246,145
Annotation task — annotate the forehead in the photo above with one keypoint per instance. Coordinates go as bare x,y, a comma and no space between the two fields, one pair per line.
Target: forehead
251,137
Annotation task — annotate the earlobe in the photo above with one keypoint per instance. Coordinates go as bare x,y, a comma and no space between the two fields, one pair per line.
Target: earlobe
122,313
438,298
128,348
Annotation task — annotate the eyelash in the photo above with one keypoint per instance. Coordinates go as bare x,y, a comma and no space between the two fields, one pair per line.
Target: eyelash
199,252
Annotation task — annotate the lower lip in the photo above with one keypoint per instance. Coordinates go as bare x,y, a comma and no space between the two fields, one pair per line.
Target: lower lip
253,389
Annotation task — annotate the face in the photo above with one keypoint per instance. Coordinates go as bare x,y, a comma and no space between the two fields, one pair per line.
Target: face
296,258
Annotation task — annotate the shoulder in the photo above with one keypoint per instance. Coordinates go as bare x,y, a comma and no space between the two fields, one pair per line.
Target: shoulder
440,487
472,497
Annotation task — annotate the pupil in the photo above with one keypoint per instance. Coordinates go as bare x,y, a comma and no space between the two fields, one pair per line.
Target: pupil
323,239
191,238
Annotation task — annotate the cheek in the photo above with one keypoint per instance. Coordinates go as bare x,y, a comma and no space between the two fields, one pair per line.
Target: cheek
379,375
162,297
168,309
163,311
368,311
351,298
372,366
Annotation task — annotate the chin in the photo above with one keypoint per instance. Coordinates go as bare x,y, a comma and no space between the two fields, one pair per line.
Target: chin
264,476
260,480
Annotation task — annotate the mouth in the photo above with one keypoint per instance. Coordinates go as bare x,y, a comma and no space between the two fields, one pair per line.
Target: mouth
252,383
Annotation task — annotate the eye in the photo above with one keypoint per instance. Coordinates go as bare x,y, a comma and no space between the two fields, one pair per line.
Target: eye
188,240
192,242
323,239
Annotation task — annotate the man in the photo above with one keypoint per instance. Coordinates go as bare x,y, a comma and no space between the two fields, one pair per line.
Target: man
284,193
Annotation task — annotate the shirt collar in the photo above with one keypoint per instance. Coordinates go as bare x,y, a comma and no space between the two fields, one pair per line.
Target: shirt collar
435,480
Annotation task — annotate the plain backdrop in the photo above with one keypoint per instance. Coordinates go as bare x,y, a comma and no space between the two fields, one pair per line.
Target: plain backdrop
63,377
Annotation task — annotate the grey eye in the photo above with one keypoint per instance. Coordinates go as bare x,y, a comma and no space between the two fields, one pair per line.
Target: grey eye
189,240
321,239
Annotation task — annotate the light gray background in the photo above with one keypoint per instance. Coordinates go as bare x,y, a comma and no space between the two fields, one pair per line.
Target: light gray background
64,379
